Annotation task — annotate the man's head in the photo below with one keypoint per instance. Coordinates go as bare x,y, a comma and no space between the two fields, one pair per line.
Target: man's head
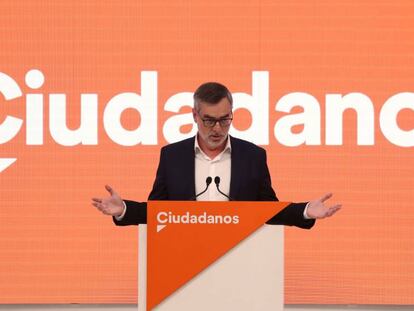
213,114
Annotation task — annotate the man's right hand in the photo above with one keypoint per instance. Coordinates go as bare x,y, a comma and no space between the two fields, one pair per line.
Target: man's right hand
112,205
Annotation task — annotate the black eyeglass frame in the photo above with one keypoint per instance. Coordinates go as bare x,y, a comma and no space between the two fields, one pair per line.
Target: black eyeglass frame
211,122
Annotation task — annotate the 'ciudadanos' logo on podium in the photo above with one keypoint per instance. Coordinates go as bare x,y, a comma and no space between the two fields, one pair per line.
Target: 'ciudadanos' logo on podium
167,218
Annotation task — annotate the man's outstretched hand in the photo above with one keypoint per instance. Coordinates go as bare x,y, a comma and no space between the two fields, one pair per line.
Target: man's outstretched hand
318,210
112,205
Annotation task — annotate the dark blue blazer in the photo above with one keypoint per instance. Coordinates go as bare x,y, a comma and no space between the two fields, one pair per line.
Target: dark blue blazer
250,181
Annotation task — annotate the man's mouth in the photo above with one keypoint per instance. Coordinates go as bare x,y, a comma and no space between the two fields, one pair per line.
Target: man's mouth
216,137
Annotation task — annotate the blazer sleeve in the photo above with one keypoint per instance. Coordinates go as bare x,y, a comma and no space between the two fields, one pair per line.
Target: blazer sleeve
136,213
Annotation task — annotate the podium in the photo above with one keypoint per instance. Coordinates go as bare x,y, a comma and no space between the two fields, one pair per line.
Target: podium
210,256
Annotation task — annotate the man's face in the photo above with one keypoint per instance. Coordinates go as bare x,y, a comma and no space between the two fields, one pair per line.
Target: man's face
213,137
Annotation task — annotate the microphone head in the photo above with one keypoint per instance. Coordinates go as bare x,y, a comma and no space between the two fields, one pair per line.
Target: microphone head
209,180
216,180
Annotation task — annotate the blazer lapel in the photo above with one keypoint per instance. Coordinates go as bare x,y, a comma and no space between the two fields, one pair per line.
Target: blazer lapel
236,171
188,168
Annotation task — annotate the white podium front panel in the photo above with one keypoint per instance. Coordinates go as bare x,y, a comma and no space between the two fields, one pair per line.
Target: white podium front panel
248,277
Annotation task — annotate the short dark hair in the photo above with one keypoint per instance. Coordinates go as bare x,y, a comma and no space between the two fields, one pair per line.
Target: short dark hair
211,93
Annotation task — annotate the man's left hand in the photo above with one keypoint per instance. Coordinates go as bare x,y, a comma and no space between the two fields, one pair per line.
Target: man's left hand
318,210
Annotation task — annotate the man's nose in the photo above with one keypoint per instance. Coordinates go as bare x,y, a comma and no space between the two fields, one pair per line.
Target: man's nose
217,126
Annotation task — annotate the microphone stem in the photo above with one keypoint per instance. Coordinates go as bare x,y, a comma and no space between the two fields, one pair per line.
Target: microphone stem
221,192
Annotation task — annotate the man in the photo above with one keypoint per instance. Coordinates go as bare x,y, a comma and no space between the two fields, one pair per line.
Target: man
241,167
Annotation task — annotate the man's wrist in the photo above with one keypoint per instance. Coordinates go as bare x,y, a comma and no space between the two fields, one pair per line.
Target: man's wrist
305,212
123,212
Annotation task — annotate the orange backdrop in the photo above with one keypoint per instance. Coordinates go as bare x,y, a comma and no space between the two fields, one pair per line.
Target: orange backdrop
56,248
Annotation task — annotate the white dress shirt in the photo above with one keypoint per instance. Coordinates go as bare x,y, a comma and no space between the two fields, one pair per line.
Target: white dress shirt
219,166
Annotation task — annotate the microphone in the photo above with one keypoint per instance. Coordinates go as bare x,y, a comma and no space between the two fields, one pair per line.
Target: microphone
208,182
217,182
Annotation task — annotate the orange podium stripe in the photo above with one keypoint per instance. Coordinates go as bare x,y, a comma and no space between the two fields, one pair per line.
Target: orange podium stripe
179,251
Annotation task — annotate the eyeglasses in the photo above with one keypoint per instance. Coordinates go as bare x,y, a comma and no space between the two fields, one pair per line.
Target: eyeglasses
210,122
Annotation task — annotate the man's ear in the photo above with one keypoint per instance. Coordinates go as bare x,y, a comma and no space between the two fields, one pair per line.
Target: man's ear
194,114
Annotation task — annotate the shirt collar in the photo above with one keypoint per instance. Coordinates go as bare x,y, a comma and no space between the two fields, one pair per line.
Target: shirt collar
197,148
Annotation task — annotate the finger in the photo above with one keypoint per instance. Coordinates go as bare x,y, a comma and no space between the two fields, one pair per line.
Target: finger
98,200
99,206
326,197
337,206
332,210
96,205
109,189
